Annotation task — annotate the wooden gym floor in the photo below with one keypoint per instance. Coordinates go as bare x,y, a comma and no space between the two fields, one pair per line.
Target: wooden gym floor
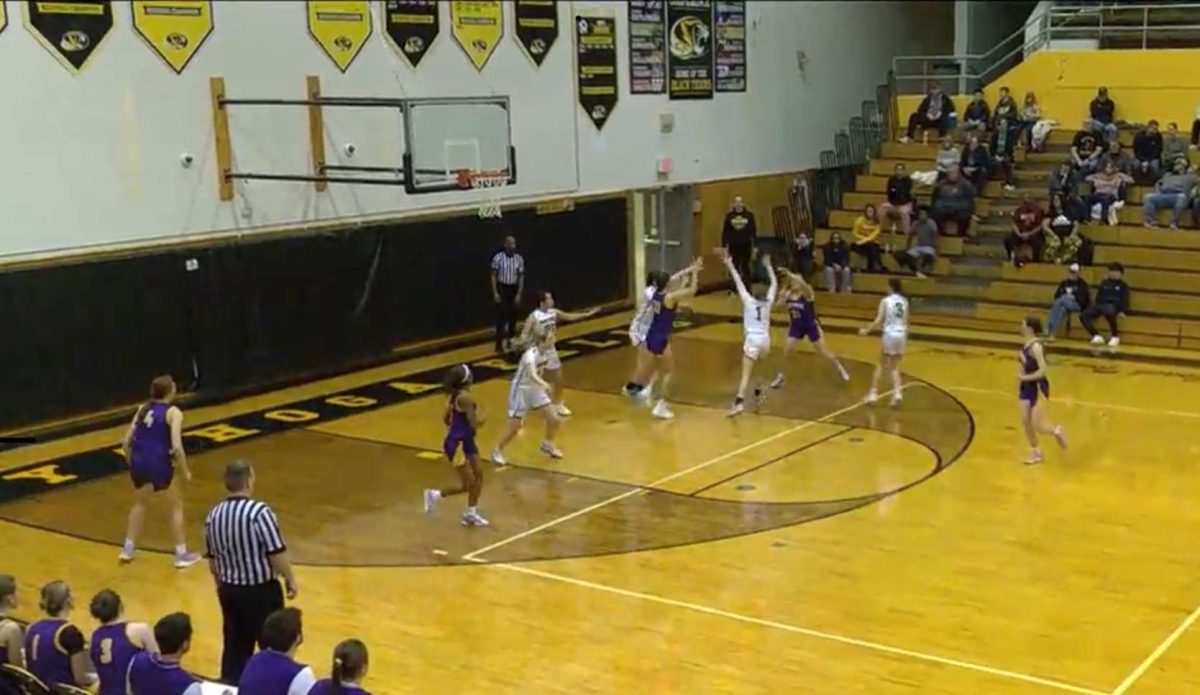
820,547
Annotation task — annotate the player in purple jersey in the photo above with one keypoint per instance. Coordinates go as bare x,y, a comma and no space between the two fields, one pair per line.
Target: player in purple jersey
154,448
640,324
162,674
55,649
800,301
116,642
462,419
11,634
655,357
350,664
1035,383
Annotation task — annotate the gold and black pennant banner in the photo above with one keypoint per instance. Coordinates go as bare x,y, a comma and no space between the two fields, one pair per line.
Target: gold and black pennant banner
340,28
537,27
477,26
72,31
411,27
730,52
690,56
174,29
596,61
647,46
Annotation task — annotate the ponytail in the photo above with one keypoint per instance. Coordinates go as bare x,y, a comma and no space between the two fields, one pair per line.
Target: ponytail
336,675
349,663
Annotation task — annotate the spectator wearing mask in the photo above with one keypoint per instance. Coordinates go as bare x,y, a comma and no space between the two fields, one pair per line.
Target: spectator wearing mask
1071,296
866,239
977,115
837,264
935,111
1062,241
919,258
1120,158
1031,113
1174,146
1027,222
1112,302
1004,138
1006,107
1148,151
1064,180
1086,150
804,255
953,200
899,203
947,158
1174,190
1107,187
974,162
1103,112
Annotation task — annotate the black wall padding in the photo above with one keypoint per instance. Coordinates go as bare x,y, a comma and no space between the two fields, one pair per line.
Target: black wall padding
86,337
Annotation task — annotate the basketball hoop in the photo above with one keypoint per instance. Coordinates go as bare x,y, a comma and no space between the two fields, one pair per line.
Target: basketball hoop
488,183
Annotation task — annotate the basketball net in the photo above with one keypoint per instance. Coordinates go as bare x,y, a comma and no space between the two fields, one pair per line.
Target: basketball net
488,183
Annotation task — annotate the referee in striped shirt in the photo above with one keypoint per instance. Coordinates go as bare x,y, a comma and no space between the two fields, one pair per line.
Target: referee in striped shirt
508,283
246,555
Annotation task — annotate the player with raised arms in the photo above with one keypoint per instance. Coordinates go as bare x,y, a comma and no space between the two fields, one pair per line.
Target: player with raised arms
547,317
756,322
640,325
655,356
893,319
463,419
801,302
1034,383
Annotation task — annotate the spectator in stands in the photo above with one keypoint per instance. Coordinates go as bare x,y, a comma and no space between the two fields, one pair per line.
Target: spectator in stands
1174,190
273,669
115,642
977,115
1103,115
61,653
1006,107
953,199
1120,158
349,669
1071,296
1005,134
1064,180
162,674
935,111
920,258
899,203
948,157
837,264
1196,129
1069,205
1062,241
1107,187
1175,146
865,242
1148,150
1031,113
1027,222
10,631
1112,302
974,162
1086,150
804,255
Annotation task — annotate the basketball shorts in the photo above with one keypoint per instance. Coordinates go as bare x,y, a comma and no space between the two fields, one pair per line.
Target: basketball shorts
158,477
894,343
552,361
524,399
756,347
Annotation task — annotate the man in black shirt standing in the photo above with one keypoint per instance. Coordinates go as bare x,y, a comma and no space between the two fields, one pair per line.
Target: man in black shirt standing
1112,301
738,235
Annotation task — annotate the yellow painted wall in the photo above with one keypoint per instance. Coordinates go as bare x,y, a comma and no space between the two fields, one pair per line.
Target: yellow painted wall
1161,84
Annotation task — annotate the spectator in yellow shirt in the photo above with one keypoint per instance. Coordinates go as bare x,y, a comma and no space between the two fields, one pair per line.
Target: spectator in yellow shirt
865,242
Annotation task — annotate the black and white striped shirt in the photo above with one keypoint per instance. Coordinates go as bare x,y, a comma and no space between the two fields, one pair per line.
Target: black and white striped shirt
239,536
508,268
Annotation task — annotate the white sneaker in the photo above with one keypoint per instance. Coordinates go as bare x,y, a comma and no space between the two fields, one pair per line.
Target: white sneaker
473,519
779,381
643,396
1034,458
431,498
125,557
897,399
872,397
498,458
1114,341
736,409
1097,340
186,560
662,412
564,411
550,450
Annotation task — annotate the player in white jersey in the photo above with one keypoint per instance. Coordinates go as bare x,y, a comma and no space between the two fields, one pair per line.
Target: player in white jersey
756,321
530,392
657,281
893,319
547,317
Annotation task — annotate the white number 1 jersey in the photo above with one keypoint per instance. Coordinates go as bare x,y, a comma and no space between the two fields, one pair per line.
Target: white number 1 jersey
756,316
895,315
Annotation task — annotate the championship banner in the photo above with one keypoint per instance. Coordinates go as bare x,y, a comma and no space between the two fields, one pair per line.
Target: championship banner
537,27
340,28
72,31
477,27
730,53
411,27
690,59
596,61
174,29
647,46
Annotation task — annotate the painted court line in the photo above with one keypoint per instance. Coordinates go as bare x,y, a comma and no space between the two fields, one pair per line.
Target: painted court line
827,636
1154,656
1087,404
474,555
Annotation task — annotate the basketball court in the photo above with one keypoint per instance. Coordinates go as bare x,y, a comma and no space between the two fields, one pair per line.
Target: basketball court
822,546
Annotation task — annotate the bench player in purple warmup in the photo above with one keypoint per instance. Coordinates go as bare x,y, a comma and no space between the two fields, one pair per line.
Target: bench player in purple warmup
154,448
349,669
801,303
116,642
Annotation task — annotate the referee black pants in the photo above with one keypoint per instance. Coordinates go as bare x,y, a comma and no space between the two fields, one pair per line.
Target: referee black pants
506,314
244,609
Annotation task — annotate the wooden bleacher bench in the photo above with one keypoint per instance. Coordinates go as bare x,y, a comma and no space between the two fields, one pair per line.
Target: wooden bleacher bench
1138,279
947,246
854,200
